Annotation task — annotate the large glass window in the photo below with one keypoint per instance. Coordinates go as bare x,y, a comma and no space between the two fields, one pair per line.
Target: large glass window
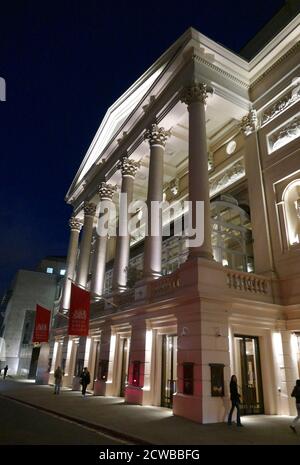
231,235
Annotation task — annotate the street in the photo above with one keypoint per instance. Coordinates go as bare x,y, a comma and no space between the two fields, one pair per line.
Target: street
31,414
26,425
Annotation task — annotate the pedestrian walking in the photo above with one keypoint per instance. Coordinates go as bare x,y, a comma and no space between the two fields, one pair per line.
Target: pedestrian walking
5,371
296,394
57,377
235,401
85,379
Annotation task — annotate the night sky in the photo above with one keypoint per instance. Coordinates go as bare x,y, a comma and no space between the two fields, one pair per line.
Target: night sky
64,63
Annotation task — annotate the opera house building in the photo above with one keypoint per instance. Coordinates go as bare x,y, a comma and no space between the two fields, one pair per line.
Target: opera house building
171,319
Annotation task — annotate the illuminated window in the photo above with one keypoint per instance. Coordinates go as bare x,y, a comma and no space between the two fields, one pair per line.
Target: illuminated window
62,272
49,270
230,147
291,200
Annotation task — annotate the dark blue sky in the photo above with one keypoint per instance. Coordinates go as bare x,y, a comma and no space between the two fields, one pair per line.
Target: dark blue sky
64,63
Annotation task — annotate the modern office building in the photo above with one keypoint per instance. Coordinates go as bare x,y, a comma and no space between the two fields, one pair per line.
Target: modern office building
171,322
28,288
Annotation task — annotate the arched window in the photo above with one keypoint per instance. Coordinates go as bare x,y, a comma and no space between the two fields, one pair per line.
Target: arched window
291,204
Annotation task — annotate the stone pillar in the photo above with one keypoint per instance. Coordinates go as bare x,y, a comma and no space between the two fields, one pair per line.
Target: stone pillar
289,370
101,385
106,192
120,271
262,251
157,137
75,226
136,372
85,244
195,97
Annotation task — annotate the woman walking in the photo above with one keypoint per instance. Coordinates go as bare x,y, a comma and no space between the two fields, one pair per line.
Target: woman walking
235,401
296,394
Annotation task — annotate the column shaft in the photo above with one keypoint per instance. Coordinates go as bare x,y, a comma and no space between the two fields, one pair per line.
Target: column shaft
71,262
153,243
195,97
85,245
121,262
106,193
99,265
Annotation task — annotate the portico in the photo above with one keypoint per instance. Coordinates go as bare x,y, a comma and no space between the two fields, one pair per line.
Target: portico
175,317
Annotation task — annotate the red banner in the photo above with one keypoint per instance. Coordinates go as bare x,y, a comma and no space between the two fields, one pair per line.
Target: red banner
41,326
79,314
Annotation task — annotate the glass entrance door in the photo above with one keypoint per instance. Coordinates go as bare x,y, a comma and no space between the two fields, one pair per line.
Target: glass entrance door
34,362
249,374
169,370
125,362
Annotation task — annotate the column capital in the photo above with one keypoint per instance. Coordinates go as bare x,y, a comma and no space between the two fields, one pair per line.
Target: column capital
75,224
128,167
157,135
106,191
195,92
249,123
89,209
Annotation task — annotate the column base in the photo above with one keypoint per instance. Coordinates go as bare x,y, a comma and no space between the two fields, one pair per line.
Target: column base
150,277
42,378
119,289
134,395
198,254
99,388
76,383
188,407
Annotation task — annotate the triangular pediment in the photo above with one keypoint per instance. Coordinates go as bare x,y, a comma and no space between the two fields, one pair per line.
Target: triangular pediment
136,96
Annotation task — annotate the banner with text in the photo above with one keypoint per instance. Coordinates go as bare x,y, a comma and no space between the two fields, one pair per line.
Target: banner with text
41,325
79,314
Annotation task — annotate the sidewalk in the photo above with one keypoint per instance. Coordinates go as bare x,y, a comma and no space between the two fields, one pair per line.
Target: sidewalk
152,425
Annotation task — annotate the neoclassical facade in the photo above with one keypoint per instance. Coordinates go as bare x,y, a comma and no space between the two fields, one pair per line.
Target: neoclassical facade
170,323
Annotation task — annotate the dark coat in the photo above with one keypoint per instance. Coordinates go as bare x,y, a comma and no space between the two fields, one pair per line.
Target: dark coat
85,378
234,395
296,393
58,375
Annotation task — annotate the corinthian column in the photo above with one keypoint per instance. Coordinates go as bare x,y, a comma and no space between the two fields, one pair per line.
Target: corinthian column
85,244
106,192
128,169
157,138
195,97
75,226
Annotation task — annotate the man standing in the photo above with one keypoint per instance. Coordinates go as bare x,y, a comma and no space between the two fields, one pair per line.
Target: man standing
85,379
5,371
57,378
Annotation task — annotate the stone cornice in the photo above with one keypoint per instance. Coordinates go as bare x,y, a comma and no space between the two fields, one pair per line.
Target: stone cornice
275,65
221,71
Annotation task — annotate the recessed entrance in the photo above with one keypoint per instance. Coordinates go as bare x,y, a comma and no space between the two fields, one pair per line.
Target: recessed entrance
125,342
34,362
169,369
248,373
